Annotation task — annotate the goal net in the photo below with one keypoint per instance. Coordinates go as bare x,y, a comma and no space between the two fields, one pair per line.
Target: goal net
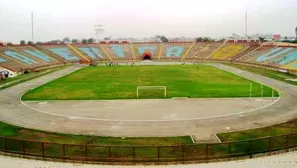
151,92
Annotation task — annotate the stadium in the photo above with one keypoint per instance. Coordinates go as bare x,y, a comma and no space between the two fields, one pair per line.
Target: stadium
122,102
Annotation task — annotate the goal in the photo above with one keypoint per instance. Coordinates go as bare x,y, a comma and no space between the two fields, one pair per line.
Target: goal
150,89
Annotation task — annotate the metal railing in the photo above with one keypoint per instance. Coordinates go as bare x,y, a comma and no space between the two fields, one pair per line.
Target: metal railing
136,154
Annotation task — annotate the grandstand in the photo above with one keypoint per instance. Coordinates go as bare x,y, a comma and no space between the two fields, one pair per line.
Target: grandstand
175,51
229,50
140,48
200,51
15,61
19,58
61,51
118,51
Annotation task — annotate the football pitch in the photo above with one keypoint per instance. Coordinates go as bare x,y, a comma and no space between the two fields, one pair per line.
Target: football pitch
121,82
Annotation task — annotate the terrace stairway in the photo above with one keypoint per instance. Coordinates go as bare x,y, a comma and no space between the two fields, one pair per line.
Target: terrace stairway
251,48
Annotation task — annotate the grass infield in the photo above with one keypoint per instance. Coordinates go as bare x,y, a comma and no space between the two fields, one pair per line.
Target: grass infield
120,82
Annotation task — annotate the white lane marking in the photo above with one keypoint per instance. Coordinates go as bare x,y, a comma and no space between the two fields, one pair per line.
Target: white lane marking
42,103
168,120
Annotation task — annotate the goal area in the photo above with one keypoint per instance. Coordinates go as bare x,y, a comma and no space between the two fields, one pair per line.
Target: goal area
157,91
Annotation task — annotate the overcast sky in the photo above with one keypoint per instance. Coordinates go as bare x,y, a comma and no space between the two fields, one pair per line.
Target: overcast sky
55,19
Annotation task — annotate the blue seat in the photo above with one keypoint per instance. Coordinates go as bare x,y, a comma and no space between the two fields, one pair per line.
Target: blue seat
118,50
288,58
20,57
92,52
151,49
266,56
39,55
65,53
279,53
2,60
174,51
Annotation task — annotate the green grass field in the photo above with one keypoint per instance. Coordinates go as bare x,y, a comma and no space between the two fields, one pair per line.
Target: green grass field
269,73
7,130
120,82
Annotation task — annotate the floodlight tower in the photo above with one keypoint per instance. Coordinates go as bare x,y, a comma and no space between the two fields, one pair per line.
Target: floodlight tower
32,27
246,25
99,29
296,32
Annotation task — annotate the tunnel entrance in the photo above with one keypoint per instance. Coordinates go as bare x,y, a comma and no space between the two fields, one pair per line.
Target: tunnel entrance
147,56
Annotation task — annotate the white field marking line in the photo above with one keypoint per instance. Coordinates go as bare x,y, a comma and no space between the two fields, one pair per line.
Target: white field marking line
293,80
173,98
193,139
191,119
245,77
217,137
112,120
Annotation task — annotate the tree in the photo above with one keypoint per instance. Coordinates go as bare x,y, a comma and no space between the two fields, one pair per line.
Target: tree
106,38
261,39
205,39
91,40
22,42
199,39
38,43
74,40
164,39
9,44
30,43
66,40
84,41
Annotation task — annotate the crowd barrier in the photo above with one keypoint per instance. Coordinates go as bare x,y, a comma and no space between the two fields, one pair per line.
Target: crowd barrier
137,154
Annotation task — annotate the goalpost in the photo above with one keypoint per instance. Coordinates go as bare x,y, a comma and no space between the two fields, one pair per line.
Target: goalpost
151,88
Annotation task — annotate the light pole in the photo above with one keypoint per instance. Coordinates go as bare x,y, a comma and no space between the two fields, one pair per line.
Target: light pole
296,32
32,27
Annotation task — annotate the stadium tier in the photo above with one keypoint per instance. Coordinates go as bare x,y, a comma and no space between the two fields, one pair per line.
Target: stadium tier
251,56
174,51
18,58
201,51
12,63
63,52
118,51
229,50
92,51
153,48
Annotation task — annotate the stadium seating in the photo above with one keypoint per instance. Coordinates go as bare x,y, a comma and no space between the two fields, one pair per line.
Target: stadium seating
13,63
42,58
287,58
273,54
23,57
173,51
253,55
92,51
140,48
62,51
200,51
118,51
229,50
